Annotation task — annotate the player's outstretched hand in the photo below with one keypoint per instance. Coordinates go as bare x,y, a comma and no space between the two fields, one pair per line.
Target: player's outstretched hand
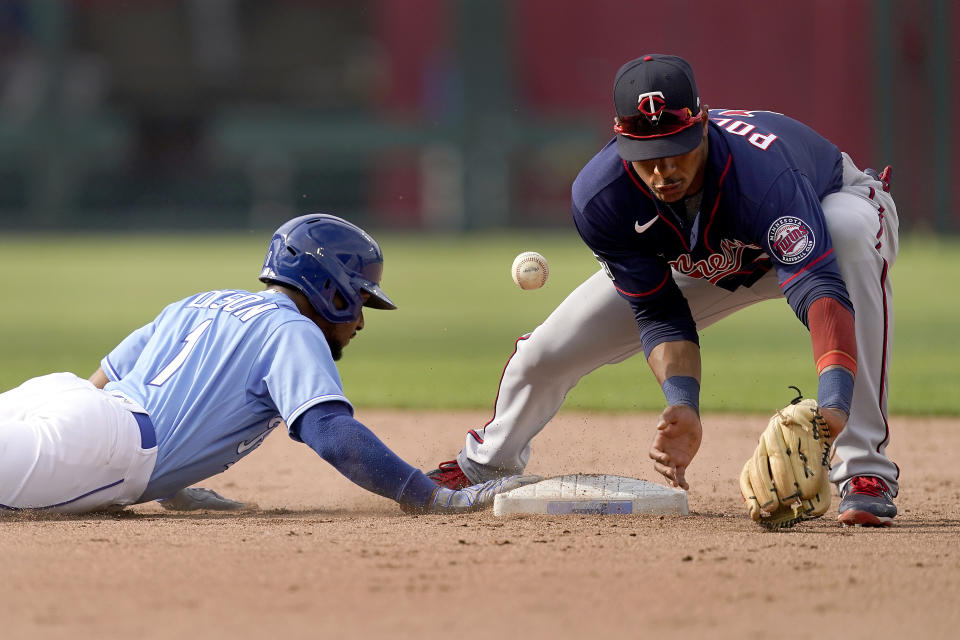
676,443
196,498
476,497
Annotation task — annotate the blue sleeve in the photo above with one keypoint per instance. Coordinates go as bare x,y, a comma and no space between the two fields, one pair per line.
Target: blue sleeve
641,277
330,429
796,238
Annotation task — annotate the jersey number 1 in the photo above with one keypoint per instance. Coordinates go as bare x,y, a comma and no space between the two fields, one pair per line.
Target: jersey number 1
188,344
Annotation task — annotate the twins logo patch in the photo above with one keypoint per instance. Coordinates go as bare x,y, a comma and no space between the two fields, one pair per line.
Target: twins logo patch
791,239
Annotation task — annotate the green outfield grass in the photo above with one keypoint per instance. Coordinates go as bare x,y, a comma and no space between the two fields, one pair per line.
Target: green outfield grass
67,300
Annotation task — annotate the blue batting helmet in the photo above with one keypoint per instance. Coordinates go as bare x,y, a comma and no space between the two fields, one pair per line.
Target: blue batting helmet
321,256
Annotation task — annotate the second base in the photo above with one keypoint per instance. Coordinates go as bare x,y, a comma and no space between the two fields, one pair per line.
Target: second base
592,493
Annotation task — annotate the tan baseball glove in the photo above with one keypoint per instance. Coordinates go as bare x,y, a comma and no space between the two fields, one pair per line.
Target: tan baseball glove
786,480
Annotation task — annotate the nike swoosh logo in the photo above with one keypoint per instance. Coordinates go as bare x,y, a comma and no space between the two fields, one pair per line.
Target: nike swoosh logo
245,446
640,228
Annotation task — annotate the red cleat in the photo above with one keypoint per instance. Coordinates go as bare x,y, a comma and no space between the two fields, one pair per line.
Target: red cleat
448,474
866,502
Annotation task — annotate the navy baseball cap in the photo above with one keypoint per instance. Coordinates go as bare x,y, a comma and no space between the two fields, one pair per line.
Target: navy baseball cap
658,108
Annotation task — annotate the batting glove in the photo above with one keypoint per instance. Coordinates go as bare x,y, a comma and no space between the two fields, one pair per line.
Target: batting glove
475,497
195,498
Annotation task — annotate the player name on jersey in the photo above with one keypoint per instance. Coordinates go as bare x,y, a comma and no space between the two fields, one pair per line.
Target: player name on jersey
232,302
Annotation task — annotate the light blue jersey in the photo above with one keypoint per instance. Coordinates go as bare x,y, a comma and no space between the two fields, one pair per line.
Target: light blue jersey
217,372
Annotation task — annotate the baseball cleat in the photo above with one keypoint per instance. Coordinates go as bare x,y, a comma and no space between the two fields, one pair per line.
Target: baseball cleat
866,502
448,474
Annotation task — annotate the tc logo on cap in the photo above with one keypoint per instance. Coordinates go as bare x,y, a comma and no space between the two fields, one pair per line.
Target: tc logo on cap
651,104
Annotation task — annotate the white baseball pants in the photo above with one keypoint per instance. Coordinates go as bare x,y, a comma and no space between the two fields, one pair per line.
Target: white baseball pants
68,447
594,326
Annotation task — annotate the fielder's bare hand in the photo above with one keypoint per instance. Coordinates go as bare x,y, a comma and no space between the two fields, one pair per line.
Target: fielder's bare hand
676,443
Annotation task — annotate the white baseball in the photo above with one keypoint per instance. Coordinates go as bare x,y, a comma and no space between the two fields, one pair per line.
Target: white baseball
530,270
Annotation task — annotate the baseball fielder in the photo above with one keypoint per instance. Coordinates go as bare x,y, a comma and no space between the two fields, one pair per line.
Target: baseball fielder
196,390
693,215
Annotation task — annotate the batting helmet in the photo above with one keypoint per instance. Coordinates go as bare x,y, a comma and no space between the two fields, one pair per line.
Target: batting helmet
321,256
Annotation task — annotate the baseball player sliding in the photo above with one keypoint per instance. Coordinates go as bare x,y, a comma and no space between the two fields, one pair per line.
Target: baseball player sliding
693,215
196,390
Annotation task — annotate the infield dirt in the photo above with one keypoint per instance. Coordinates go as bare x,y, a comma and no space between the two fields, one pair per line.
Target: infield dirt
321,558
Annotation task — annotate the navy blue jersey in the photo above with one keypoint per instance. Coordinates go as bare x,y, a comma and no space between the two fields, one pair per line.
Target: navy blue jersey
764,179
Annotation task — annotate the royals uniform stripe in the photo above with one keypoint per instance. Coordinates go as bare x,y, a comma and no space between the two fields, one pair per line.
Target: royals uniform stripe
65,502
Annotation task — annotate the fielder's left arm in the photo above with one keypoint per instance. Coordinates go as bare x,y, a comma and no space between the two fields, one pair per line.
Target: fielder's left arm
676,365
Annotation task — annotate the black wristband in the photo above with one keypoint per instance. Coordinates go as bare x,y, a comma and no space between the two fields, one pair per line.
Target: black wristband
682,390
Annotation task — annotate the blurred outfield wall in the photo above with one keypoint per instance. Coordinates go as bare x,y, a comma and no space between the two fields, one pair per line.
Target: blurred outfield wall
438,114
